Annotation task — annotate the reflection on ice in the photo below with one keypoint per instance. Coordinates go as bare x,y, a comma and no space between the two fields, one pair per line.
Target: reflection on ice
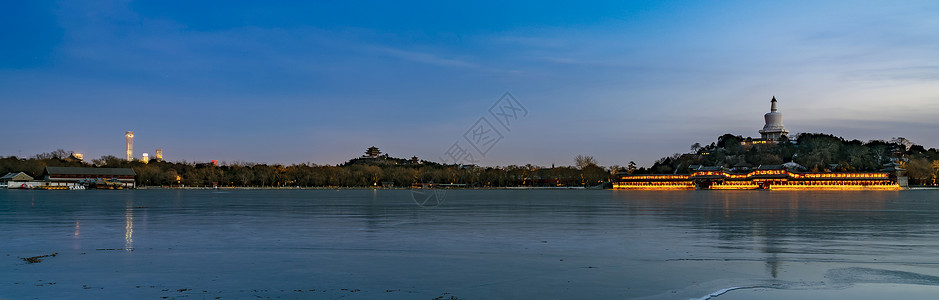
129,227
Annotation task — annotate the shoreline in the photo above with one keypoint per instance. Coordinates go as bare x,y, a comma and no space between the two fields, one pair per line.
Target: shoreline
360,188
466,188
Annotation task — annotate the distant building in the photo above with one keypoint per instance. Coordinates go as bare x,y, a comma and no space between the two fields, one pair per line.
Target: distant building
145,158
11,179
774,128
74,176
78,156
158,154
372,152
129,137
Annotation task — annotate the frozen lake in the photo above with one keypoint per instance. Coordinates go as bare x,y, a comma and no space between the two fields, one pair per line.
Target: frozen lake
477,244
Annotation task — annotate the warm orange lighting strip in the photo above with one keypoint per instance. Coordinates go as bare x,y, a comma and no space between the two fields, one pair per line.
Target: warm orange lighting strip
657,177
840,175
802,181
654,185
830,187
745,185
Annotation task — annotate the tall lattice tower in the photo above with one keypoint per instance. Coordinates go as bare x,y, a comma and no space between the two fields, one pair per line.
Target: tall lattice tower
130,145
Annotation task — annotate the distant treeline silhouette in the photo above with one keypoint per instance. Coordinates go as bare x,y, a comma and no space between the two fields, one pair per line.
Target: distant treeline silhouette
812,151
359,172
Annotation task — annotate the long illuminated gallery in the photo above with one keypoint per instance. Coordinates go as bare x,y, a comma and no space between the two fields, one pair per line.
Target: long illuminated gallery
764,177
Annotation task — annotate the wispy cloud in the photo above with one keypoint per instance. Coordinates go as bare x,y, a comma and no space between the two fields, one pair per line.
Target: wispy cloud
425,58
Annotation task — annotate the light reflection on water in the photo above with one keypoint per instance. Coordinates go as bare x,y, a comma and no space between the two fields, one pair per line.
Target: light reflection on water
479,244
129,227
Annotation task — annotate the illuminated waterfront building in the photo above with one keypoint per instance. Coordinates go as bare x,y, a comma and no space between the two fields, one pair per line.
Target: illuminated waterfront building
129,136
763,177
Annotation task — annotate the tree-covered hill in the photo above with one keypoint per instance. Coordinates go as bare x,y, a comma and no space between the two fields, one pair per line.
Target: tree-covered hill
816,152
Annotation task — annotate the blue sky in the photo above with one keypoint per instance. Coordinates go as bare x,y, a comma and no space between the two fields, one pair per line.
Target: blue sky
320,82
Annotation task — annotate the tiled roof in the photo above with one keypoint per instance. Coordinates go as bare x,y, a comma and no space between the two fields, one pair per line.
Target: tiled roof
90,171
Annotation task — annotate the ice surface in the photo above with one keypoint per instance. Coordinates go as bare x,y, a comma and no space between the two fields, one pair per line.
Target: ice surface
478,244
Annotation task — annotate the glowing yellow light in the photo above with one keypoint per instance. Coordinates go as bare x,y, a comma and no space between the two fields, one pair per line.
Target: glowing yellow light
803,181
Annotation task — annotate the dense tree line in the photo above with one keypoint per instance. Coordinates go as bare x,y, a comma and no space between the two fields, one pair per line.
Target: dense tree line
359,172
816,152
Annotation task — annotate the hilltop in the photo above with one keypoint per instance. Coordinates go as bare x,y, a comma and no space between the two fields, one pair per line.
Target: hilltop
816,152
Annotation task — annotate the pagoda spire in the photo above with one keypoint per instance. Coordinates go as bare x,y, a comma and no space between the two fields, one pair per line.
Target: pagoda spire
772,107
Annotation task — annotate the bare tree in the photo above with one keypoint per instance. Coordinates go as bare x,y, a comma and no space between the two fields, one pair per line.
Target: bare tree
583,161
44,155
902,141
61,154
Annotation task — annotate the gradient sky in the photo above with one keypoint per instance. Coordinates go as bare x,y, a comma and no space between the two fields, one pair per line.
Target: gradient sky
320,82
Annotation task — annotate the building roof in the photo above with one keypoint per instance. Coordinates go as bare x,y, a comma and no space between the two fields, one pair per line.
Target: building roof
893,169
793,165
20,176
89,171
711,168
